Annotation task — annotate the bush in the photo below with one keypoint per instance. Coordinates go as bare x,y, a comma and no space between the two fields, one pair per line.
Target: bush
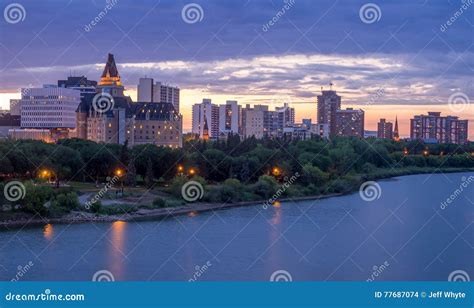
159,202
265,187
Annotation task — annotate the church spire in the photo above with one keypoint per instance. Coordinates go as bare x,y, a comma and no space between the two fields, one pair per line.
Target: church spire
396,135
205,131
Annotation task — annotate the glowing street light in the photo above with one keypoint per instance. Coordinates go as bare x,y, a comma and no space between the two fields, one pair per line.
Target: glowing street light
405,151
119,172
276,171
192,171
426,152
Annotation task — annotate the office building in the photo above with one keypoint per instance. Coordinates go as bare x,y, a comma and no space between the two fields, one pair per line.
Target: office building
440,129
49,108
80,83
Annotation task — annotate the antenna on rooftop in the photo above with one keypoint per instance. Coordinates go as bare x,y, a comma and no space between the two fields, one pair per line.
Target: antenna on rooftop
330,85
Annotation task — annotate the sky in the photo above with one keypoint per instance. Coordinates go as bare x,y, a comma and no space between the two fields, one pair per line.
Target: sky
390,58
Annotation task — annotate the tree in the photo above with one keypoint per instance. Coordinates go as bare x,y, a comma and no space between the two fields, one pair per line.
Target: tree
149,173
131,174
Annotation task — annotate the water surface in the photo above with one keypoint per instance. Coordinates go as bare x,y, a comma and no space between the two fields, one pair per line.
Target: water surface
403,235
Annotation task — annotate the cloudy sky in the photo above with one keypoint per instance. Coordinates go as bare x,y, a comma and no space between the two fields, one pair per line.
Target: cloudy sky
388,57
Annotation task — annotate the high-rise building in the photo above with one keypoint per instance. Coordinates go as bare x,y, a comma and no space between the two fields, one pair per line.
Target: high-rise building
209,113
328,103
286,117
80,83
252,122
110,80
49,108
150,92
436,128
229,118
384,129
145,90
166,94
349,122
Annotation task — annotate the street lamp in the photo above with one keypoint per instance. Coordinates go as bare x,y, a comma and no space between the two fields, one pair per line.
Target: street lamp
405,151
119,173
192,171
276,171
180,170
426,152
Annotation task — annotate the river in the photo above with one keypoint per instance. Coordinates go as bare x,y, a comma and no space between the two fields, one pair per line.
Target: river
405,234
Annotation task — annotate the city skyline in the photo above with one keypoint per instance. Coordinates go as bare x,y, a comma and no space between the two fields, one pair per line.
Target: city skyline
233,53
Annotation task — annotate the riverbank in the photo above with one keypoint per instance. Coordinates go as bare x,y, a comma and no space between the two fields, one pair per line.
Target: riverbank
144,214
194,208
